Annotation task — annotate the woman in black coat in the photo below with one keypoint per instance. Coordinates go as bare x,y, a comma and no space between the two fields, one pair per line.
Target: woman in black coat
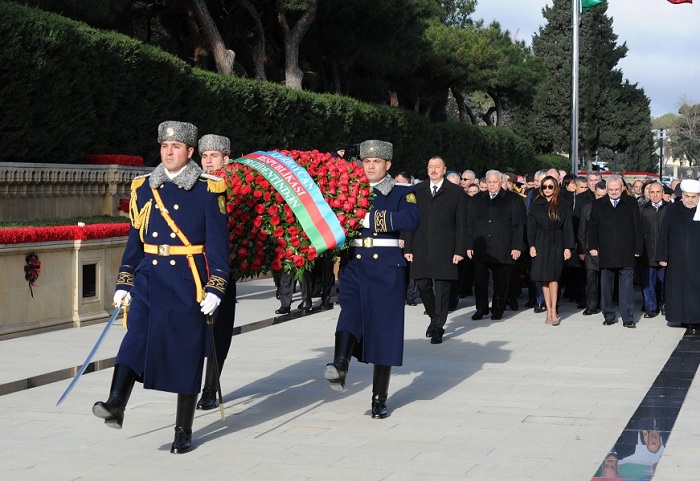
550,235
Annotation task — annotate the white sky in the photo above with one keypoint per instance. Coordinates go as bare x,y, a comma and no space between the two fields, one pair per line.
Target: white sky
663,41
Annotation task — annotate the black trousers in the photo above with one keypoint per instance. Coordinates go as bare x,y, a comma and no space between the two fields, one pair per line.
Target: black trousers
626,293
223,321
501,279
436,303
592,289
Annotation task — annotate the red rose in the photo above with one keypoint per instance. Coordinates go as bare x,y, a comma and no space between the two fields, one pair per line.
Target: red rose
293,231
258,221
241,254
275,220
259,209
295,241
311,255
273,210
276,265
279,232
299,260
360,213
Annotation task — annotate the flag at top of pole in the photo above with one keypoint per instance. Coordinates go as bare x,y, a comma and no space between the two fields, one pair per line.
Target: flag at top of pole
678,2
586,5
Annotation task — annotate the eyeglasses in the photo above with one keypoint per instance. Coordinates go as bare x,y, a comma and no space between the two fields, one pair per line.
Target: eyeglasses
465,178
548,187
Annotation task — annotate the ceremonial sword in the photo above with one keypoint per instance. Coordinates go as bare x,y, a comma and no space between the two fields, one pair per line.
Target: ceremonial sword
89,357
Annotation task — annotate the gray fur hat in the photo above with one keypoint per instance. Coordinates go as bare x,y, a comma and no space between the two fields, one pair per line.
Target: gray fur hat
215,142
376,148
177,132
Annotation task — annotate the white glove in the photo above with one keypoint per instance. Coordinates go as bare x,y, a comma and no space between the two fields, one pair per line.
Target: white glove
209,303
122,297
365,221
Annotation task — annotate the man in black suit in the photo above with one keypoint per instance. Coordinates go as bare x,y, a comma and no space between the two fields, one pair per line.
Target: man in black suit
615,235
494,241
438,244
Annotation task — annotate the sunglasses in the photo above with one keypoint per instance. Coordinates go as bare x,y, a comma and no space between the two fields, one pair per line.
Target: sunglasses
548,187
465,178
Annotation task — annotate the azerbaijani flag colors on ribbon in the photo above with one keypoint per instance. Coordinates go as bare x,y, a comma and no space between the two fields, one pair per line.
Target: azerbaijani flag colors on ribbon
302,195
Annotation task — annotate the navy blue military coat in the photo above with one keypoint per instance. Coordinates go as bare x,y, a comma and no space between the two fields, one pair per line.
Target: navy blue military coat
167,334
373,283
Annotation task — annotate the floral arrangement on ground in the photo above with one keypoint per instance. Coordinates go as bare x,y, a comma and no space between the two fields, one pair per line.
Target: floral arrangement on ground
264,233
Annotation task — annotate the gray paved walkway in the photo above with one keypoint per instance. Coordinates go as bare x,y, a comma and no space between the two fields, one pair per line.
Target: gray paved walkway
508,400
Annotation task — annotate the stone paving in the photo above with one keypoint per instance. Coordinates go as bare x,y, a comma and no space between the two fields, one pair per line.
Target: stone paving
513,399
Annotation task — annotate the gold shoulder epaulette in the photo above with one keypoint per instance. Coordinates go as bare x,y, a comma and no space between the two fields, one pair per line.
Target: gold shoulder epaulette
138,182
216,185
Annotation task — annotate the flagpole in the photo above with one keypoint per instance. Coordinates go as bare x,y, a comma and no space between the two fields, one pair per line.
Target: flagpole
576,11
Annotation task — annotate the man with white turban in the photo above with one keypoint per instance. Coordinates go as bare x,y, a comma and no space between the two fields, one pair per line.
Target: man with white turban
678,250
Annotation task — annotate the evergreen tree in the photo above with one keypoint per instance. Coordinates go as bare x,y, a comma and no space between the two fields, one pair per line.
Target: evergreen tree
612,114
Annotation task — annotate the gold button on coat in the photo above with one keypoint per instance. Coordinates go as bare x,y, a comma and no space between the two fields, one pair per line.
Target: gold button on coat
172,262
358,256
155,262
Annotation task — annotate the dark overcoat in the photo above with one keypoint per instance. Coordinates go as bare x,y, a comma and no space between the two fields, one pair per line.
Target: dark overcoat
651,223
496,227
678,245
616,233
549,237
166,337
441,233
373,283
590,262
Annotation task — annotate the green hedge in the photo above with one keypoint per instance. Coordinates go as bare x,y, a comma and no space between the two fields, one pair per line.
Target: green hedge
68,90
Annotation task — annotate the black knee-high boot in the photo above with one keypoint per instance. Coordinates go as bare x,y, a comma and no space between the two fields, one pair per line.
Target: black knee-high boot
183,423
380,391
112,411
336,371
209,391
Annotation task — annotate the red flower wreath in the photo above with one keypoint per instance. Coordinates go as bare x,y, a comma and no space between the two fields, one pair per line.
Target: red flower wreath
264,233
32,270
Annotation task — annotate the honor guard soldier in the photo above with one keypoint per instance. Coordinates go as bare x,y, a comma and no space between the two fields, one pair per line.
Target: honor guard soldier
214,150
372,281
173,274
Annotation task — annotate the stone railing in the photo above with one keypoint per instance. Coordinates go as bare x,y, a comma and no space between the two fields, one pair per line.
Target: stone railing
50,191
74,288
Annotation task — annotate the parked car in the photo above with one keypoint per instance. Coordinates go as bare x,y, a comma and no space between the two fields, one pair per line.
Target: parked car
667,179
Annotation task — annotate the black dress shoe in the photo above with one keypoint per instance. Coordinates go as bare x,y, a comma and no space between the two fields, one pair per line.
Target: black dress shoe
540,308
283,310
207,401
650,314
436,337
513,304
630,325
326,306
379,409
112,413
411,303
429,330
693,330
305,306
479,314
609,322
183,441
590,312
496,316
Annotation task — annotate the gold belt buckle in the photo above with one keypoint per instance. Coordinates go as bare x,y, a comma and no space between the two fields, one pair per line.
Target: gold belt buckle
164,250
367,242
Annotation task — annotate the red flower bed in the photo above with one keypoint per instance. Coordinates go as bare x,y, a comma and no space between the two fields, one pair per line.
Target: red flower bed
21,235
265,235
114,159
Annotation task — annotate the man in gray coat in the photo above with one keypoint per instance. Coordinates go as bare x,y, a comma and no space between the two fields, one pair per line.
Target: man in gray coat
438,244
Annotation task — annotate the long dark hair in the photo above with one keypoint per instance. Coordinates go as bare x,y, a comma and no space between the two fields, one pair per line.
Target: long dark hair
554,205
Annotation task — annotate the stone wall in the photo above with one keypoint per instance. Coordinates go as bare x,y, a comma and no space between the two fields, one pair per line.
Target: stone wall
51,191
64,296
